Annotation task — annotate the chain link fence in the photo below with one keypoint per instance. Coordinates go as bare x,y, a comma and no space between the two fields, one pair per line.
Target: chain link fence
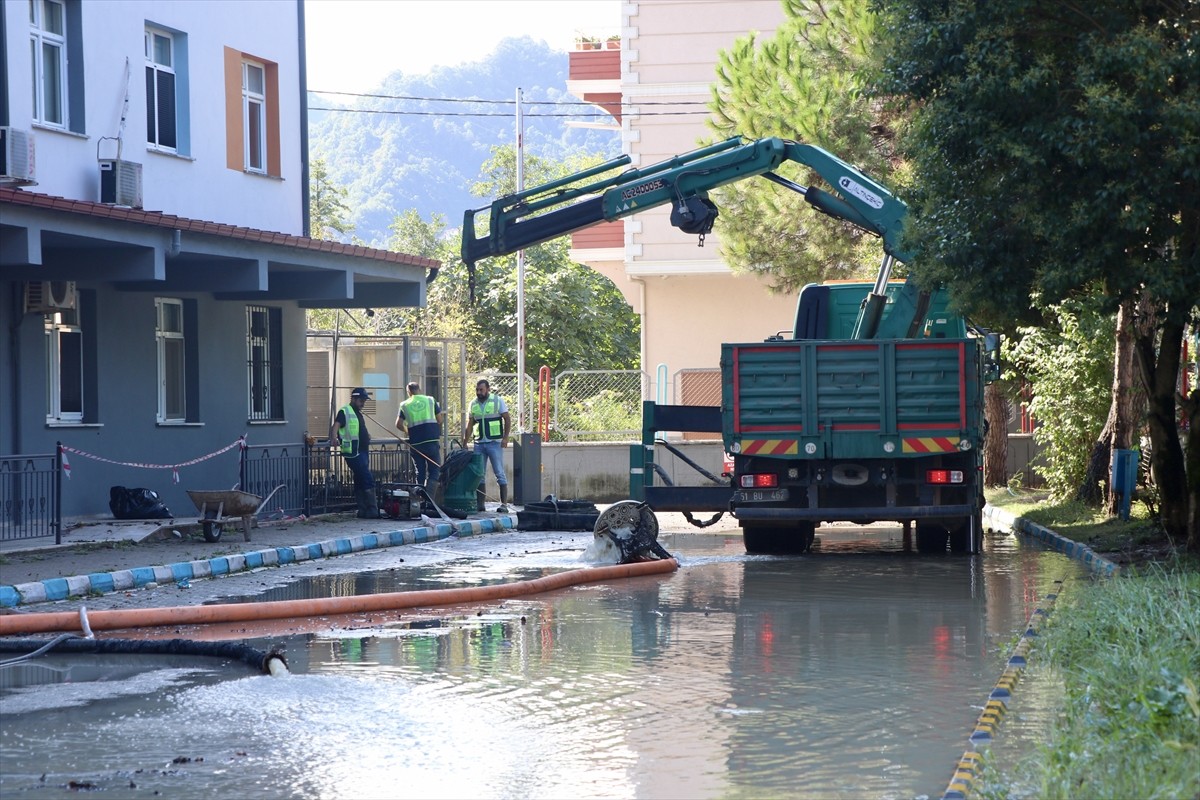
597,405
584,405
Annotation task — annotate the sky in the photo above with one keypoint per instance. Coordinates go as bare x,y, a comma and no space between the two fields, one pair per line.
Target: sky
354,44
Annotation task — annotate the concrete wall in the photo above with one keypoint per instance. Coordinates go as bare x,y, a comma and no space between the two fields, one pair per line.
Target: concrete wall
599,471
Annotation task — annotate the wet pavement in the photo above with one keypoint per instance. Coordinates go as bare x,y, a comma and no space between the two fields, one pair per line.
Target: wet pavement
856,671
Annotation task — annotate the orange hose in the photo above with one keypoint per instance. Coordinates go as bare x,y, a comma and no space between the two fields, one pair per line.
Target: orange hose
11,624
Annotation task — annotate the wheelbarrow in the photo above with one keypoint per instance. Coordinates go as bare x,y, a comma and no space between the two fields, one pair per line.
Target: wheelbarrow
219,506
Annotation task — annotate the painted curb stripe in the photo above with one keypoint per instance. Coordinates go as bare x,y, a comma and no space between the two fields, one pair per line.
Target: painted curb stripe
97,583
963,779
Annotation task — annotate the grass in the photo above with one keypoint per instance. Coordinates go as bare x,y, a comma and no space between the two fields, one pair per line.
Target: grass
1128,651
1137,539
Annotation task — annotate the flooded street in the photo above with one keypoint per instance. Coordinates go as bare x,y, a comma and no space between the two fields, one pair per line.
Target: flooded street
857,671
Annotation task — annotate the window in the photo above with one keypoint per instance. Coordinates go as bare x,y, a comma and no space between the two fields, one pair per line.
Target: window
64,367
254,103
252,139
172,360
264,360
160,89
48,53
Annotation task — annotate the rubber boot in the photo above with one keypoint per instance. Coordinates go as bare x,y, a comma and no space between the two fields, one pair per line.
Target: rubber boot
360,500
370,504
503,509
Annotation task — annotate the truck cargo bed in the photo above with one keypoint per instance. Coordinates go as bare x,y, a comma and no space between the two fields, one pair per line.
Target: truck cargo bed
849,399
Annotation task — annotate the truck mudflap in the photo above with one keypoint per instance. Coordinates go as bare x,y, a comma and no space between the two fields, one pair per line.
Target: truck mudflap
896,513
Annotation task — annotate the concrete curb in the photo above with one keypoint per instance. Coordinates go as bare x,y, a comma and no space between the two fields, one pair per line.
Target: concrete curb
995,519
1000,520
99,583
966,770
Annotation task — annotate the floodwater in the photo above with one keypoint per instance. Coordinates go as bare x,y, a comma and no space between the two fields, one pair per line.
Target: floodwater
857,671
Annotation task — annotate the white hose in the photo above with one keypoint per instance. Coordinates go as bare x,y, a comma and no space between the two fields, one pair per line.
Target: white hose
83,623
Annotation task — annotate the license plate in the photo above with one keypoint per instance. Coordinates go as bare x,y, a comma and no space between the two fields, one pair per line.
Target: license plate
760,495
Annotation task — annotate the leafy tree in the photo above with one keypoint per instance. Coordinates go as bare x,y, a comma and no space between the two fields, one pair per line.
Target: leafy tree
1058,147
574,317
810,82
327,209
1067,366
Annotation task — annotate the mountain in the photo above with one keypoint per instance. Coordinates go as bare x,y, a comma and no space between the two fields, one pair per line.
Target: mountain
420,142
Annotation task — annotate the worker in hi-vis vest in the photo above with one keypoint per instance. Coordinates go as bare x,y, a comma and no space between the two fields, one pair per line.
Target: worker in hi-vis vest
420,418
349,434
488,424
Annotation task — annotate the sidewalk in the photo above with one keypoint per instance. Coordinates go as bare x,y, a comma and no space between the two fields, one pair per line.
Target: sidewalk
112,556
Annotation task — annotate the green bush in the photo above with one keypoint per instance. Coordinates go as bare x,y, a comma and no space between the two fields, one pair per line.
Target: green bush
1070,370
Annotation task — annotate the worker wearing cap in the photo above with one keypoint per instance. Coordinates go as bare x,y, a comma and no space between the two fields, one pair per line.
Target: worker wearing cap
420,418
349,432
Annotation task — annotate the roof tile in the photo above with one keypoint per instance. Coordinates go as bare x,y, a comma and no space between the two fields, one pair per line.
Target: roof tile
162,220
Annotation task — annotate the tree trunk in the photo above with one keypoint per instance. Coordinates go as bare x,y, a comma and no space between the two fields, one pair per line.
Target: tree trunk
1125,410
1159,373
1191,408
995,443
1095,486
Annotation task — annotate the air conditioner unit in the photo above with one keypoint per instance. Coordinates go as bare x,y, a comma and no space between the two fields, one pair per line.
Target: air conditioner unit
47,297
120,183
16,156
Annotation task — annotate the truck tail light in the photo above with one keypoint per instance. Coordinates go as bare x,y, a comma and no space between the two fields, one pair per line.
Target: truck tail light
944,476
759,481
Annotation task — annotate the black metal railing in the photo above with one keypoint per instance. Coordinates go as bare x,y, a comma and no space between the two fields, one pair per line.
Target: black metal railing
30,488
314,477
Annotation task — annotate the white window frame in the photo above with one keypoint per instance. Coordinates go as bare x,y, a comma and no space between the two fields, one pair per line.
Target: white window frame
157,67
39,40
256,102
170,342
59,325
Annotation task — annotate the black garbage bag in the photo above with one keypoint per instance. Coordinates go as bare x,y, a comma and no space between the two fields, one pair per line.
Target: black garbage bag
136,504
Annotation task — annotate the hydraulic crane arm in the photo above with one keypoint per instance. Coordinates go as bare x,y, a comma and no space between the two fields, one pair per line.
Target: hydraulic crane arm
523,219
546,212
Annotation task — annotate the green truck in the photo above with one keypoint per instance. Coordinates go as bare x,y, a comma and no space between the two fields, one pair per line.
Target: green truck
872,410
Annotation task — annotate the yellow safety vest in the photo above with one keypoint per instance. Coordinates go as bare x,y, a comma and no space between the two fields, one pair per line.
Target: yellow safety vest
350,431
489,424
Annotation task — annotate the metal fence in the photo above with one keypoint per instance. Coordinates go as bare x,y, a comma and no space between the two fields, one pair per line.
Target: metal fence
384,365
597,405
29,490
315,478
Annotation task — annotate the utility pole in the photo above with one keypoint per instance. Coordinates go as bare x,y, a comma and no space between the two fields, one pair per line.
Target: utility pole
520,277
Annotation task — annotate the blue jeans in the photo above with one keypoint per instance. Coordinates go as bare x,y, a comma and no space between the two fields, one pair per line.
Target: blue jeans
360,468
495,454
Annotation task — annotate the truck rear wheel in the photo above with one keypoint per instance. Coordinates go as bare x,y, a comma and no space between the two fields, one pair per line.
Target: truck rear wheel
776,540
931,537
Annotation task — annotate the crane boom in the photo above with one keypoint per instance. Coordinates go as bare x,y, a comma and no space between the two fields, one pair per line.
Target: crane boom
545,212
566,205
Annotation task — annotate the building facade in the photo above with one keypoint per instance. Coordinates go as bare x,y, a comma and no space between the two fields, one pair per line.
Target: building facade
688,297
154,267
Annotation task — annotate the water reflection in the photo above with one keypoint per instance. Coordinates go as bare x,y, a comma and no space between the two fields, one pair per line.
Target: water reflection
857,674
